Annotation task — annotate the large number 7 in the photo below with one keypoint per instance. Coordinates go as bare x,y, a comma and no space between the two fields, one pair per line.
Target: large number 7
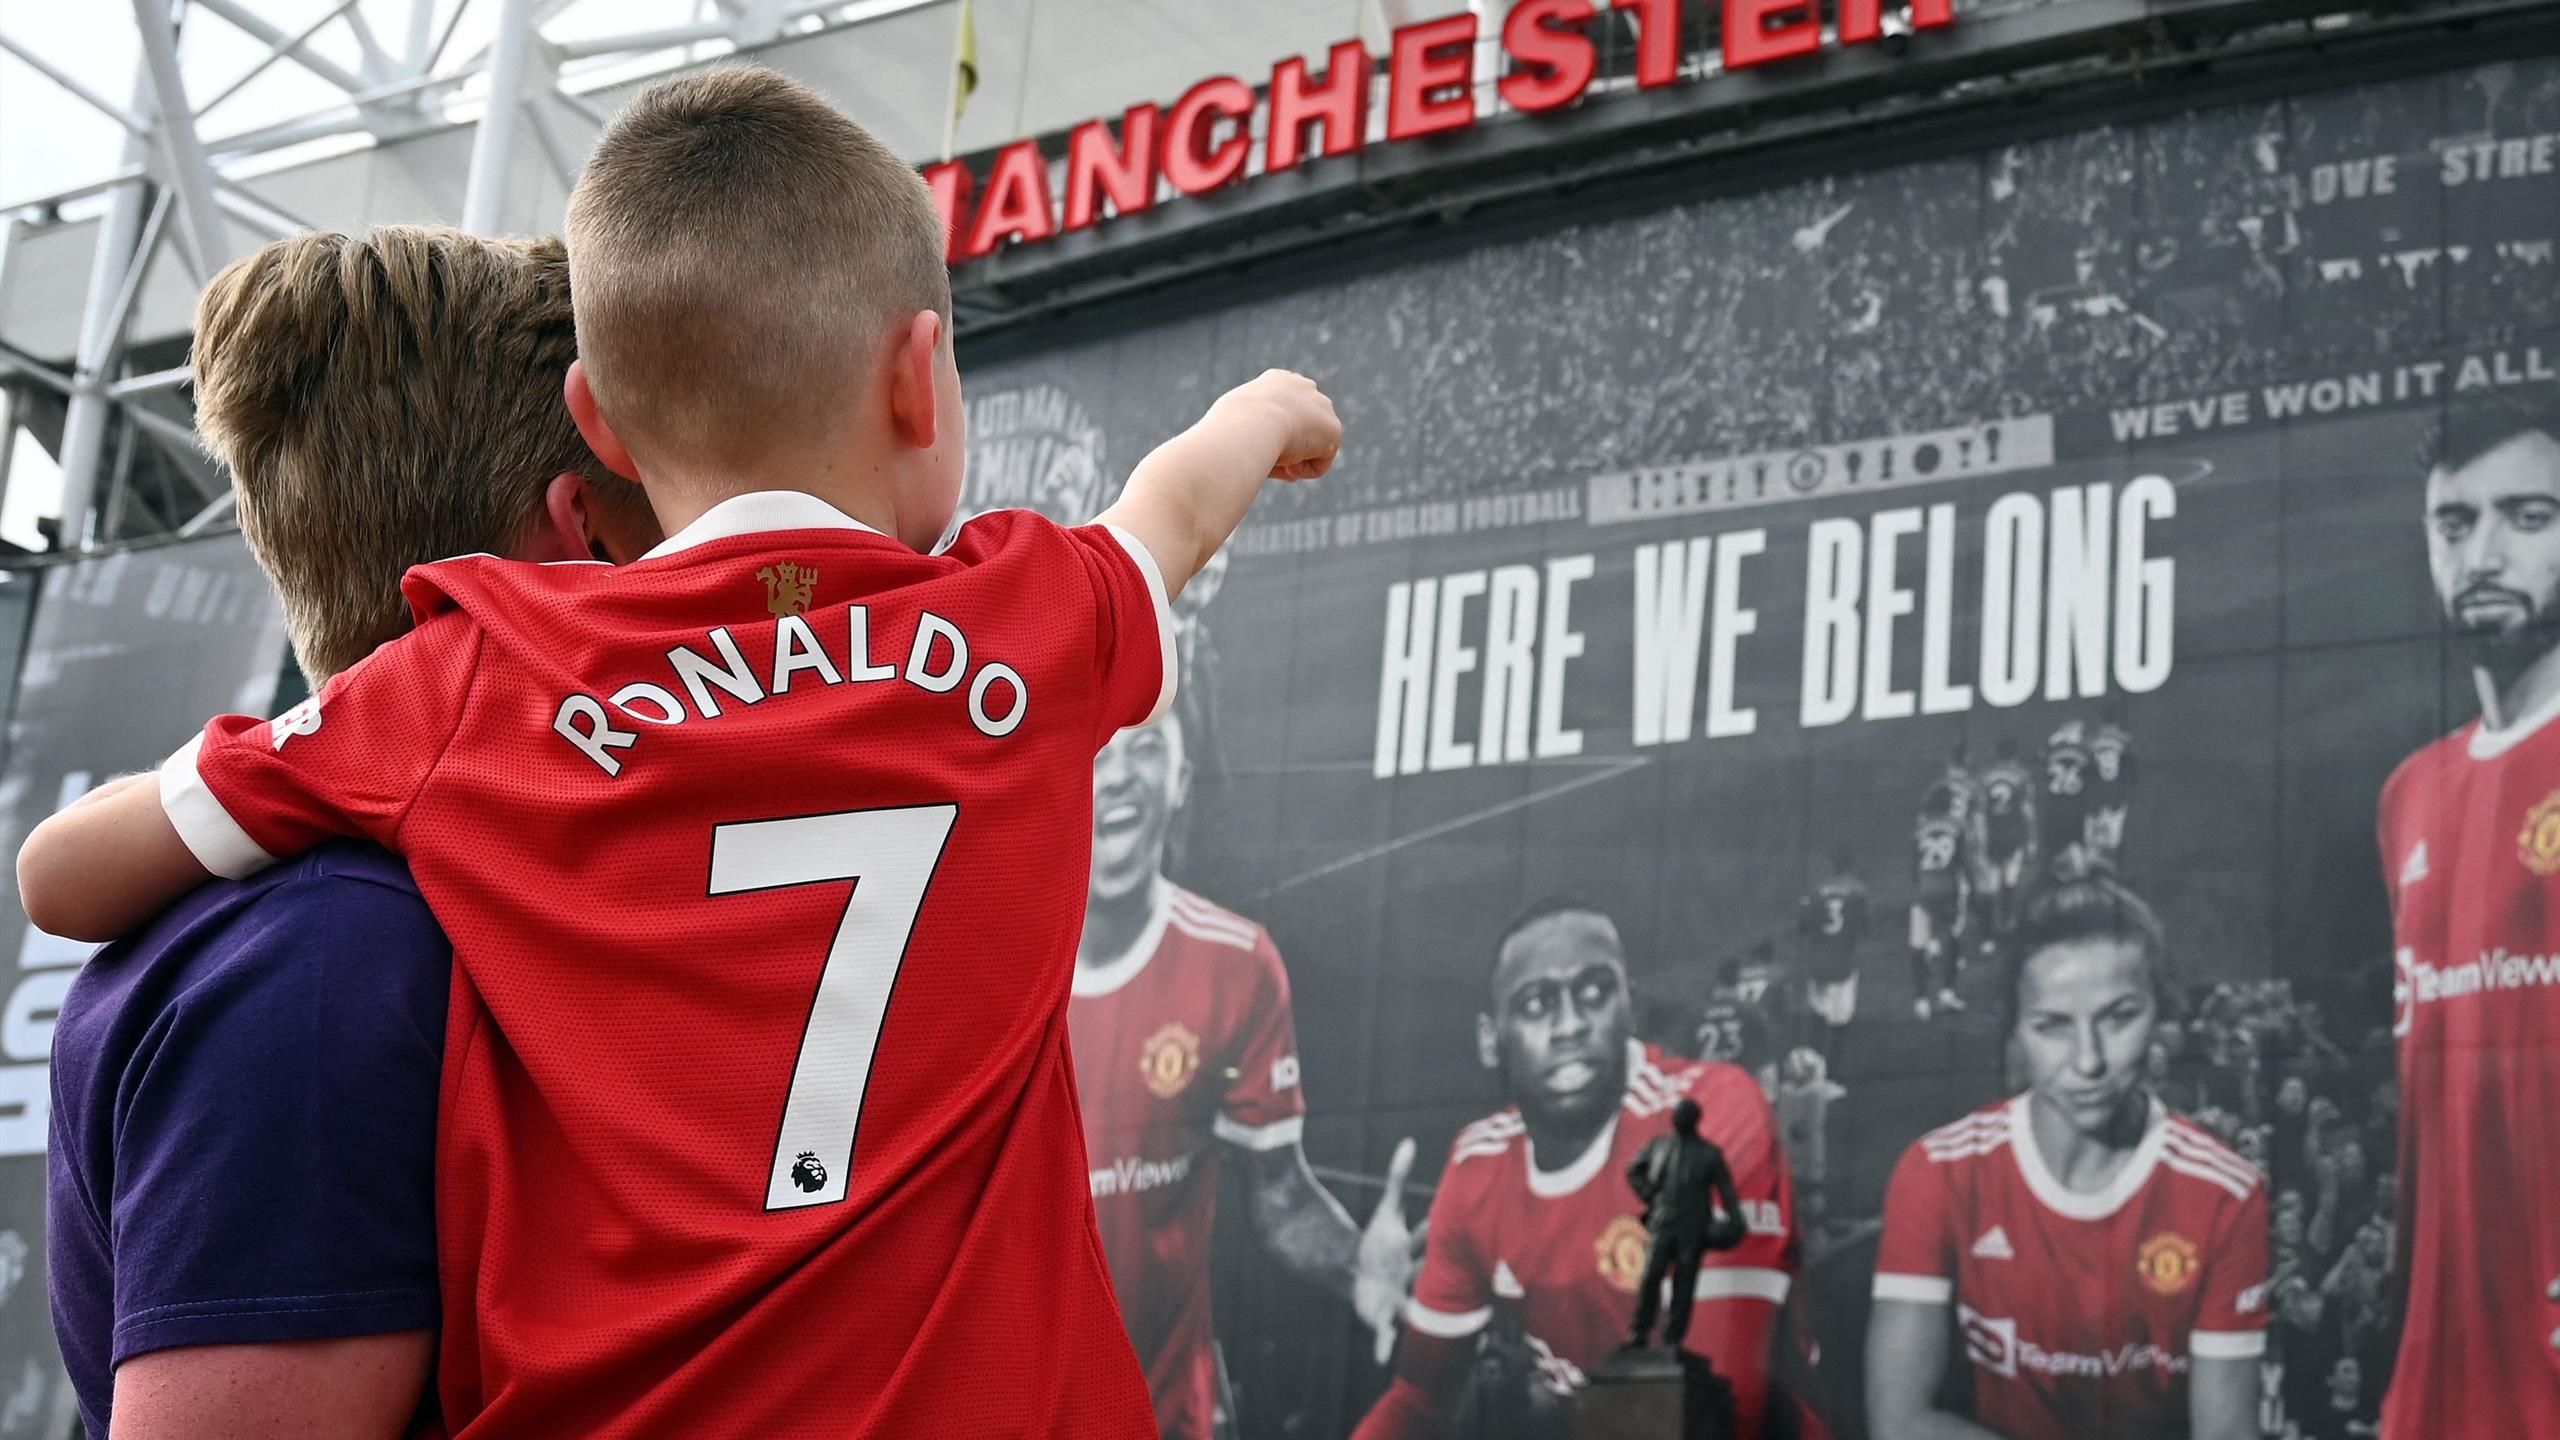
890,856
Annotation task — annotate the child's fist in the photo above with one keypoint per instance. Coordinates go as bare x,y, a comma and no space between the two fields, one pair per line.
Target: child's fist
1310,433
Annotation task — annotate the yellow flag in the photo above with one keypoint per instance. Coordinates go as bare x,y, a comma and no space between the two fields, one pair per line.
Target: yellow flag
964,79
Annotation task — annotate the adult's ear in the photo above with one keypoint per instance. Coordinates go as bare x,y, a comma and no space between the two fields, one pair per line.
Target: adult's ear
608,447
573,527
1488,1043
915,401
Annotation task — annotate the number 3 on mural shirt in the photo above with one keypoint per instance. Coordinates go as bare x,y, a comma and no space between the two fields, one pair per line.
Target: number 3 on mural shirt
890,856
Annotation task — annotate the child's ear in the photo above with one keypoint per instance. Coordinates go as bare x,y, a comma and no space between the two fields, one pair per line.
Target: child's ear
608,447
915,401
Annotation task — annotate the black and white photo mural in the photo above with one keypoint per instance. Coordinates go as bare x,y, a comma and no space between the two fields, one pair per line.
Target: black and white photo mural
2020,682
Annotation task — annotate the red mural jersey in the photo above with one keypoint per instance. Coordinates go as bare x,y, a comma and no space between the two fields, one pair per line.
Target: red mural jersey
2470,849
2082,1314
764,863
1566,1247
1182,1045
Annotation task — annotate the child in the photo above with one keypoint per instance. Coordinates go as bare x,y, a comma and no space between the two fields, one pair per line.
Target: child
764,856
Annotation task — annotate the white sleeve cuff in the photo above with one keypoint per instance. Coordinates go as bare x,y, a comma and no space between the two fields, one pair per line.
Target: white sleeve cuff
1260,1137
217,841
1917,1289
1744,1282
2227,1344
1443,1324
1146,563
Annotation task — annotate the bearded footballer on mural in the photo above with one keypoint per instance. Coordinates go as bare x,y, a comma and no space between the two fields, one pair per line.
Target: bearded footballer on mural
1187,1059
2470,832
1533,1221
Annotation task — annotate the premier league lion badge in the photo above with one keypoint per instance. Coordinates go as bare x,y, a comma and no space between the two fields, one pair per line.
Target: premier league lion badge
808,1173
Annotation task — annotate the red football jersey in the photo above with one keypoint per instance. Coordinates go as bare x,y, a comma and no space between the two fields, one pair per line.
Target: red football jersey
764,864
2470,849
1566,1247
2080,1312
1181,1044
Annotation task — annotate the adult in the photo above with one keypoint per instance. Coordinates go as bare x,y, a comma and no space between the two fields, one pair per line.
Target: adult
241,1216
2105,1259
2470,838
1531,1232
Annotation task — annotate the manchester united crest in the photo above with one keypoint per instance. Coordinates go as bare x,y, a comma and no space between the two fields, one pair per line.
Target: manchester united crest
789,589
2538,845
2168,1262
1169,1059
1620,1253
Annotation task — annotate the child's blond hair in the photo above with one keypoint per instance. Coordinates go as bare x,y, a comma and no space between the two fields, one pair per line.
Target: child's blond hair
742,250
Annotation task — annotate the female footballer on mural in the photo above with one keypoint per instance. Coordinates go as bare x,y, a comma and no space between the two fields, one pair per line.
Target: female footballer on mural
2104,1258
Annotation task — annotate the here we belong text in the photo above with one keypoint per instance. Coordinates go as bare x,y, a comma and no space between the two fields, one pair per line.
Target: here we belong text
2068,595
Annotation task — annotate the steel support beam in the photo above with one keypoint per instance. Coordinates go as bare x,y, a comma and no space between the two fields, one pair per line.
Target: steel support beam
493,145
276,53
452,23
257,211
249,22
85,416
140,269
169,379
190,172
760,21
422,35
662,38
95,101
211,515
378,64
8,435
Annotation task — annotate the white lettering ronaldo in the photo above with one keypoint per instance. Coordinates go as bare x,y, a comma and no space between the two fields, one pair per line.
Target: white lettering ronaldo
937,661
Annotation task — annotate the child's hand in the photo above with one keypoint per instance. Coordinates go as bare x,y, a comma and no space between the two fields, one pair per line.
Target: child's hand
1310,433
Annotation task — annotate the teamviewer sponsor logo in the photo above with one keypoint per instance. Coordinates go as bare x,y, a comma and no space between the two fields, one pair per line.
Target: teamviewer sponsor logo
1994,1345
1991,1344
2415,982
1136,1175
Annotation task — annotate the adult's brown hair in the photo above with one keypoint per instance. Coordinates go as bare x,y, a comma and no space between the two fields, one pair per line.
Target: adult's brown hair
382,402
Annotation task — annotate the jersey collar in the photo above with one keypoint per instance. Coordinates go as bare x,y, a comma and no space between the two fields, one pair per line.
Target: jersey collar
2096,1204
2488,744
754,513
1554,1184
1109,975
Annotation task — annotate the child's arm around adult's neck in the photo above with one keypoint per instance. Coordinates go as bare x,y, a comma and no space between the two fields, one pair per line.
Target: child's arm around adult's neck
107,864
1190,493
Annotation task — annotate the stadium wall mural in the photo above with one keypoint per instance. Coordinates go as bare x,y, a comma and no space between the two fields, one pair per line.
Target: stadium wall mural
1842,618
126,650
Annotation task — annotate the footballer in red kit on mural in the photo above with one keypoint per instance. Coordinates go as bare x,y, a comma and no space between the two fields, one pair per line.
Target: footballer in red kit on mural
1186,1060
1533,1221
2470,836
2105,1258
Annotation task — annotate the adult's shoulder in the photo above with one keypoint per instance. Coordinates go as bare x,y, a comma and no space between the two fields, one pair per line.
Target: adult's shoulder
2422,765
339,894
2197,1155
334,950
253,1106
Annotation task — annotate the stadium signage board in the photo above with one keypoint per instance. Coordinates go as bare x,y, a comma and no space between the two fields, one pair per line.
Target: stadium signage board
1206,141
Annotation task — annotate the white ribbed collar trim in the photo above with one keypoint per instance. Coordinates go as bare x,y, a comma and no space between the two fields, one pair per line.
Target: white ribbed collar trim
1120,969
2096,1204
1556,1184
754,513
2488,744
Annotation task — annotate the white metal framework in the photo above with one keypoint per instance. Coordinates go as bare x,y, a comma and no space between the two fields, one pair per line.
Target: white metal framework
181,193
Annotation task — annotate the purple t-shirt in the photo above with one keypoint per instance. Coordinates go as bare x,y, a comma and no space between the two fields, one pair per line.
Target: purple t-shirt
244,1120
